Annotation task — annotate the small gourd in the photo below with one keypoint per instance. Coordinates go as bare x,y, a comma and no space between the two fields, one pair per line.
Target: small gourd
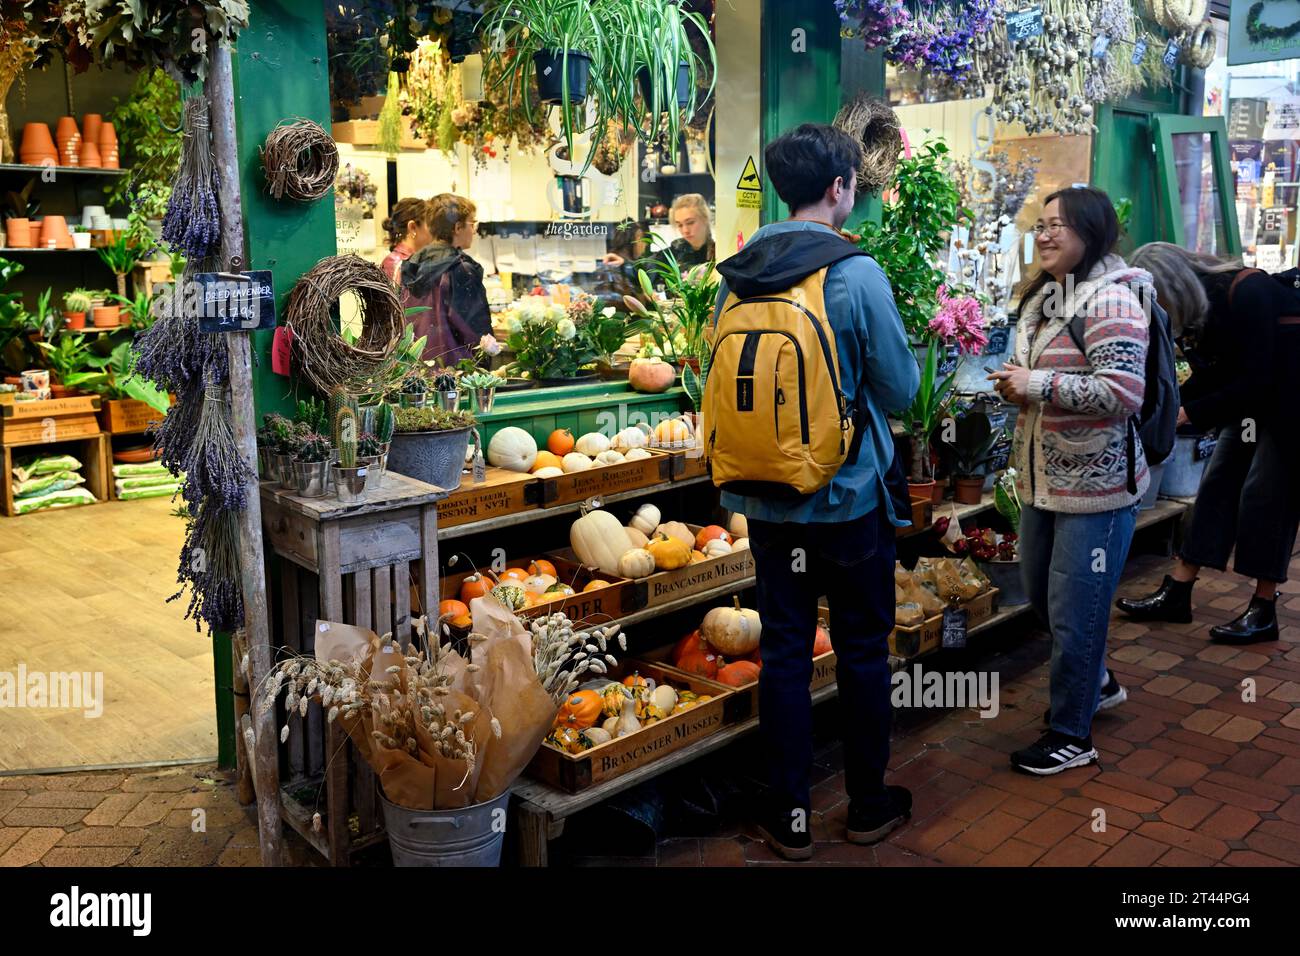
598,735
636,454
646,519
738,525
511,595
636,563
592,444
628,439
560,588
678,530
610,726
637,539
598,540
669,553
550,471
538,583
740,544
610,457
580,710
627,722
575,461
613,696
663,700
716,548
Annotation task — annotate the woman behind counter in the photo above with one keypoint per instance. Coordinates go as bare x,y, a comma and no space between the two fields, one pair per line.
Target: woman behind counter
407,229
690,217
448,283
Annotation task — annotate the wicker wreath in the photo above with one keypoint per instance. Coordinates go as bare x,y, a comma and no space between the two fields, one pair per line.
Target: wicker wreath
320,353
300,160
875,125
1178,16
1201,47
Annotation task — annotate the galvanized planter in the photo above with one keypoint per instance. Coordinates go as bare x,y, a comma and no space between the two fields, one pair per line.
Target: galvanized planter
437,458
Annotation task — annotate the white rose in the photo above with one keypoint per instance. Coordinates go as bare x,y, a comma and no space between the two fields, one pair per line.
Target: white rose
565,329
514,324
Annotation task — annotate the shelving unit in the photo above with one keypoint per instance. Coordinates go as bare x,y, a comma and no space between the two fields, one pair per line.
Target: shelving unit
30,170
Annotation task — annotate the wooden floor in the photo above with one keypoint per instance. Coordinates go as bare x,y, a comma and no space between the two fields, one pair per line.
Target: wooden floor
84,589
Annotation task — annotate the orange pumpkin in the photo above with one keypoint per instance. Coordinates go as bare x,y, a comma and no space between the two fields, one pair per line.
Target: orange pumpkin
635,680
476,585
822,643
546,459
595,584
698,556
755,656
455,613
738,673
533,599
708,533
560,442
688,643
542,566
699,660
518,575
580,710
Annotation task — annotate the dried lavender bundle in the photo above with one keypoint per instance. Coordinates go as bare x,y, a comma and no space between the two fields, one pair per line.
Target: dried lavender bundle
209,567
192,223
214,469
173,437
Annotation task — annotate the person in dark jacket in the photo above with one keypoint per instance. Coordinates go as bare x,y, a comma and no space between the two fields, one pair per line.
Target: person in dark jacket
690,217
448,284
1239,331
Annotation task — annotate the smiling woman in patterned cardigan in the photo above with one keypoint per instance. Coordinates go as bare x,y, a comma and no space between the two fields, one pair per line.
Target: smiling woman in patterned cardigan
1071,456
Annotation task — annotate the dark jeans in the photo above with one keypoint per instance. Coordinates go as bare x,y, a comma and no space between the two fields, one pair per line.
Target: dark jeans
852,563
1249,498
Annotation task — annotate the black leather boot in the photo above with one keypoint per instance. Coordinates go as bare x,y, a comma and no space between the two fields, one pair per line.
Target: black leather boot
1257,623
1171,602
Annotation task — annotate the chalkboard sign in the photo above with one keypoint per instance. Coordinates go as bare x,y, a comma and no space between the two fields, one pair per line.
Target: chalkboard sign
1025,24
1171,54
1139,51
999,338
235,301
954,626
1205,446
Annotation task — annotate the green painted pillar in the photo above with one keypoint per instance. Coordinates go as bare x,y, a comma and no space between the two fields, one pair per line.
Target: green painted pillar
280,72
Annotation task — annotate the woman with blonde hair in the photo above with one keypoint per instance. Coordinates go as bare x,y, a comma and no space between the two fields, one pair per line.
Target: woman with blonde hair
408,233
448,283
691,218
1238,329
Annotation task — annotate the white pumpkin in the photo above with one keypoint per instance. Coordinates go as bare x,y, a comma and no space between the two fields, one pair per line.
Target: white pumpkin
592,444
636,563
575,461
636,537
538,583
678,530
610,457
636,454
548,472
598,540
716,548
628,439
740,544
513,449
732,631
599,735
646,519
664,699
738,526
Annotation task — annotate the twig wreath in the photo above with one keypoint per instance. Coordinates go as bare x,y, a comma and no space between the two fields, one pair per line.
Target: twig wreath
320,353
300,160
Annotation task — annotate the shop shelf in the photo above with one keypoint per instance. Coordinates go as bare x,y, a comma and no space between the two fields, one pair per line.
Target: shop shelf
30,170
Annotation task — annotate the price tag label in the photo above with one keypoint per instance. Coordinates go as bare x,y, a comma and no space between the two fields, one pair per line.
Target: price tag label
1099,47
1139,51
1171,54
235,301
281,350
954,626
1205,446
1025,24
480,468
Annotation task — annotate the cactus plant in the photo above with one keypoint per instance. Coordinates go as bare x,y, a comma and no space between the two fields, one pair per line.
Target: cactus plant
385,422
313,448
313,413
345,428
368,446
78,300
340,399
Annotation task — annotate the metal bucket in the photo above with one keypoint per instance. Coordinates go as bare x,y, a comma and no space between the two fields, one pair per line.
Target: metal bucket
349,483
312,478
434,457
1153,490
1182,471
471,836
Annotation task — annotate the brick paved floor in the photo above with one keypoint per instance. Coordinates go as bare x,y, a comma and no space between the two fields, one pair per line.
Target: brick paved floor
1190,775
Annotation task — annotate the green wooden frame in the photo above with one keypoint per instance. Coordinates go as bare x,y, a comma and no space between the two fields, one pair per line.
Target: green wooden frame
1165,127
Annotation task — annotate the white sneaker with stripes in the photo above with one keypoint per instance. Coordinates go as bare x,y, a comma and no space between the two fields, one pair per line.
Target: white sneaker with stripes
1053,753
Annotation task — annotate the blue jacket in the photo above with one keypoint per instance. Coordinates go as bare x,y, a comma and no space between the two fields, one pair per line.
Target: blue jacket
878,371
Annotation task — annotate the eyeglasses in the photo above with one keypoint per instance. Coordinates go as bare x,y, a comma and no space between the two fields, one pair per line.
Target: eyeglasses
1051,229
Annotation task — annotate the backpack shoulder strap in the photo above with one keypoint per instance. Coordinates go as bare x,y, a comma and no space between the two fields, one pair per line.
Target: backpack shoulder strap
1236,280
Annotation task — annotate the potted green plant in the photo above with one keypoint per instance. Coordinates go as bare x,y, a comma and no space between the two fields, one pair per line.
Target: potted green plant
282,437
348,476
138,310
311,463
75,306
121,255
81,237
429,444
127,397
385,424
414,391
369,453
974,441
609,329
483,386
65,357
682,329
928,409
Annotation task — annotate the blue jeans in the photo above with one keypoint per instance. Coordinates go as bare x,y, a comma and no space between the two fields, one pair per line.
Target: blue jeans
852,563
1071,565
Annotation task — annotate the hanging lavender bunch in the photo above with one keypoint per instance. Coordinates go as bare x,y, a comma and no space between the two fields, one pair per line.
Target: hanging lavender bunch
173,437
192,224
210,569
215,472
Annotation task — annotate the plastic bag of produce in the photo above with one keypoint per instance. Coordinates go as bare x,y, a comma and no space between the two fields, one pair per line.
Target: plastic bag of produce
55,499
927,600
908,615
44,465
58,481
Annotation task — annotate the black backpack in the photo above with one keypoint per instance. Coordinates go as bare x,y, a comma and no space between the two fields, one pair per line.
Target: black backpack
1156,423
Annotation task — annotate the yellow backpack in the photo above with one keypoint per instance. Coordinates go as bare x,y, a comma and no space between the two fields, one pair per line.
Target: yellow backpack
775,416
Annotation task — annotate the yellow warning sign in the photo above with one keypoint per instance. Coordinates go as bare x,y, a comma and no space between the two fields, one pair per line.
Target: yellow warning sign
749,189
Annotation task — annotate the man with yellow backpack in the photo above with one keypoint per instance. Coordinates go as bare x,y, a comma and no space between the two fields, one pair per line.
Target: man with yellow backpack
808,354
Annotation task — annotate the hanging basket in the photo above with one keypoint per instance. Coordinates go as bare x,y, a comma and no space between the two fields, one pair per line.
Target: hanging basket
300,160
550,66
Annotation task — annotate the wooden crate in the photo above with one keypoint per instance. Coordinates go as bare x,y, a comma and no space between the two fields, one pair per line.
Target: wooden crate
504,492
687,463
127,416
356,132
607,480
56,419
613,601
577,772
352,563
92,452
927,637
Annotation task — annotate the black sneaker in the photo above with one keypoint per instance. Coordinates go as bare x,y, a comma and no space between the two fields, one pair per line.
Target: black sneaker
778,830
872,826
1112,695
1053,753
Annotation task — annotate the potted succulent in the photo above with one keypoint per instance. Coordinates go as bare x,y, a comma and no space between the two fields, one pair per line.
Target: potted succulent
75,306
414,391
311,466
446,391
369,454
102,314
349,476
280,438
483,386
429,444
81,237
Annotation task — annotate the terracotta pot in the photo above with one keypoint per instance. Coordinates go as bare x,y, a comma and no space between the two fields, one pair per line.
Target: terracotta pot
940,488
91,124
37,139
106,316
75,320
89,155
60,391
107,136
921,489
43,158
66,128
109,159
56,228
968,491
18,233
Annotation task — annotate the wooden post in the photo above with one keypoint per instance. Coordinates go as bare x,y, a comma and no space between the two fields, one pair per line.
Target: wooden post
252,568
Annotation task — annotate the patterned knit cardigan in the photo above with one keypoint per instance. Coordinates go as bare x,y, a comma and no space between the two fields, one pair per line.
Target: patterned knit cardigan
1070,444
